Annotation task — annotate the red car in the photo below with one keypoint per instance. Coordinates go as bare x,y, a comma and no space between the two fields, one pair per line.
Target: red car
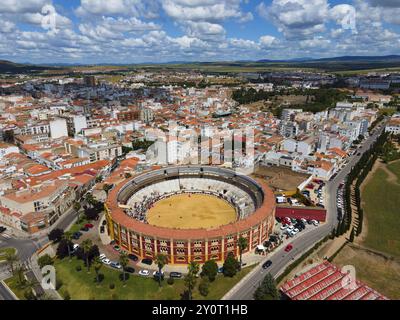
89,225
288,248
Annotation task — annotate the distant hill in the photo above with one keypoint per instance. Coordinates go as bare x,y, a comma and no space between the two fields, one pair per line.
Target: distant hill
389,58
11,67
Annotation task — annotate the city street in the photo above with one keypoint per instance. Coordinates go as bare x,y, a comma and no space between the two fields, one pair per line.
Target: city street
281,259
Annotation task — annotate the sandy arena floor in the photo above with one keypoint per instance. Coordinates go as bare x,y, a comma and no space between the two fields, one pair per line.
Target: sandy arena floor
191,212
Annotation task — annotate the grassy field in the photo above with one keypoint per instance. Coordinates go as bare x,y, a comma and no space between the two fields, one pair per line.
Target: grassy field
15,287
381,206
191,211
82,285
374,270
4,252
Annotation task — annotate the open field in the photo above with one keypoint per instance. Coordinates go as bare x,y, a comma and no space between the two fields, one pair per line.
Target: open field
82,285
381,203
280,178
377,271
191,211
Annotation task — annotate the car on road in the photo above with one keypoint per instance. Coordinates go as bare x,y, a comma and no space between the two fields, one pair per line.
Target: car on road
144,273
102,229
176,275
129,269
133,257
267,264
147,261
289,247
115,265
106,261
104,222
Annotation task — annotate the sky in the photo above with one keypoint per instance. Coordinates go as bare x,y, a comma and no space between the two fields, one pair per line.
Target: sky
140,31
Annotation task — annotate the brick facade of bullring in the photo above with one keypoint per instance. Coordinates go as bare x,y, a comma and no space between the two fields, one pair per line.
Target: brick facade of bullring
184,246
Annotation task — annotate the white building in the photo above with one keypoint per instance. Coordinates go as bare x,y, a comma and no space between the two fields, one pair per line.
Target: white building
58,128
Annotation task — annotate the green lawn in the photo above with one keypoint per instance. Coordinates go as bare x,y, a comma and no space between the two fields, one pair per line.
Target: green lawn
79,224
382,208
5,251
82,286
15,287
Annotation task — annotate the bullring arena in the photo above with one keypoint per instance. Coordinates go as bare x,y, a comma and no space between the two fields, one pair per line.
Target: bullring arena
189,213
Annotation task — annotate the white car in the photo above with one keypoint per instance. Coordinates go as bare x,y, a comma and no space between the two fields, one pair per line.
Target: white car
303,220
283,227
75,247
290,228
102,256
106,261
144,273
295,230
315,222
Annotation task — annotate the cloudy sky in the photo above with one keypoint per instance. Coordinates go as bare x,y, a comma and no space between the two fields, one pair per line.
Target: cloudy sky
136,31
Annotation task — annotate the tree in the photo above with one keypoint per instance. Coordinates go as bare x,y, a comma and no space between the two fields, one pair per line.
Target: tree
231,265
11,259
267,289
45,260
67,236
123,261
98,264
64,249
191,279
20,272
86,247
209,270
352,235
107,187
56,235
204,287
99,179
242,244
161,261
77,208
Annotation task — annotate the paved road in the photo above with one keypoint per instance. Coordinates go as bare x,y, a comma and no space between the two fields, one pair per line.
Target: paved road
5,294
304,241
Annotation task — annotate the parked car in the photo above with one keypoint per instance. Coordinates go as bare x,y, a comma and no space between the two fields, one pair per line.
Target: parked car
115,265
102,256
289,247
2,229
220,269
267,264
133,257
283,227
89,225
106,261
156,274
129,269
147,261
177,275
75,247
315,222
86,229
76,235
144,273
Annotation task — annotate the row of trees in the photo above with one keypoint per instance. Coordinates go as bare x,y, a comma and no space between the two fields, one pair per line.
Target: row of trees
358,173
